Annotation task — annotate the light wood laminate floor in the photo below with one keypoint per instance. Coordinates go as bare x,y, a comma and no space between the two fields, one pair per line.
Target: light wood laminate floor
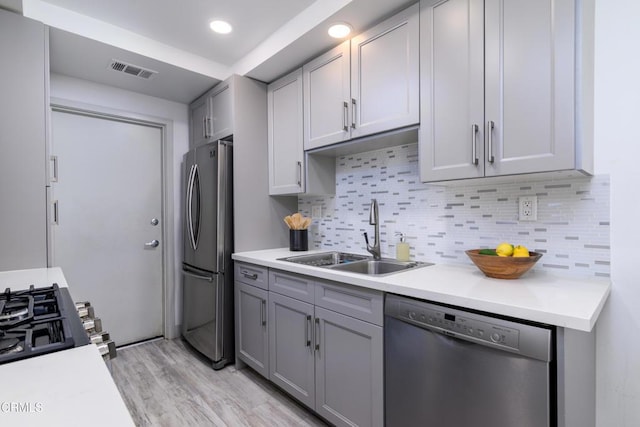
166,383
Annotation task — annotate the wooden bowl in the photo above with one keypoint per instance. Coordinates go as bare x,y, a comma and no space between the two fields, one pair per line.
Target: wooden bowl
501,267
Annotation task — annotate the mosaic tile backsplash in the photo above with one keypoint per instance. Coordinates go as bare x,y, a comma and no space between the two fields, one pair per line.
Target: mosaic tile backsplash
440,223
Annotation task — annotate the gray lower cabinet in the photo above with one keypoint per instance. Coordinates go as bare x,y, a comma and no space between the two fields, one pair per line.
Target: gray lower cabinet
291,354
251,327
322,352
251,296
349,370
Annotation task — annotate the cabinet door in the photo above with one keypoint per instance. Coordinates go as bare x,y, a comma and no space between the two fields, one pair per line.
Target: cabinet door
291,362
221,110
530,90
251,324
23,220
286,149
451,142
199,121
327,98
385,75
349,370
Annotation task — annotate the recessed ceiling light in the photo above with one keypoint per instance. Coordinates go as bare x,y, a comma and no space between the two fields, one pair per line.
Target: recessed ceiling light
340,30
221,27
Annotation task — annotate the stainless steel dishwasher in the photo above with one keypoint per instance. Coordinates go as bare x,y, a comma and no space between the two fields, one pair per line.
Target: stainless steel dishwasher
449,367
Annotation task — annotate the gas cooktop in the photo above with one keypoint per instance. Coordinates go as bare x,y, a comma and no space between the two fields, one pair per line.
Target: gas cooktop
38,321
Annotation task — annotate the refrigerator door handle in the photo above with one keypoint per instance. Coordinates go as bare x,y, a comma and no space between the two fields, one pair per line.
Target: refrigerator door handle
198,276
189,200
196,183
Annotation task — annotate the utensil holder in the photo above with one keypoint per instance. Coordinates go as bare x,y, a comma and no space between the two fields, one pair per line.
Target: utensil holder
298,240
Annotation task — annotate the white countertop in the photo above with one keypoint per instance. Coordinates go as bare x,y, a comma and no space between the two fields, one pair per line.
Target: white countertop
39,277
65,388
536,296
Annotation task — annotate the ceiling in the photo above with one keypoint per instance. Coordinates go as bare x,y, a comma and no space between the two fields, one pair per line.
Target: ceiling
270,38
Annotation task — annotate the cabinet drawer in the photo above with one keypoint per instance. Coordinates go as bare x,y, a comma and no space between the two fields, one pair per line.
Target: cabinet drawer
252,275
292,285
361,303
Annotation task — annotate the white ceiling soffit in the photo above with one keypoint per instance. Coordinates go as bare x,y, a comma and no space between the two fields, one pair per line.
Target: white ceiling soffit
76,56
99,30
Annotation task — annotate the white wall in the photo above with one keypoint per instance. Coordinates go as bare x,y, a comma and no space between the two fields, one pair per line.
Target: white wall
92,94
617,111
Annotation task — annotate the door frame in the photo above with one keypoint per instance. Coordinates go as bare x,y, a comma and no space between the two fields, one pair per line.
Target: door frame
169,327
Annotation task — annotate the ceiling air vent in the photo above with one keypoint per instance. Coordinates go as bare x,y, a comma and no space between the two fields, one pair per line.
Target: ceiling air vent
131,69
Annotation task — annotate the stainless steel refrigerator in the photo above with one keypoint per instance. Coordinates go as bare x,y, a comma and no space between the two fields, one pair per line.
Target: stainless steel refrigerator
207,289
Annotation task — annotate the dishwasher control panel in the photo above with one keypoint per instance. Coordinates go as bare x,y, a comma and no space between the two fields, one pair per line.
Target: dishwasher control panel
459,324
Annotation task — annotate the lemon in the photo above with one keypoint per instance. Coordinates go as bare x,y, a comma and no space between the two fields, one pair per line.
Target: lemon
504,249
520,251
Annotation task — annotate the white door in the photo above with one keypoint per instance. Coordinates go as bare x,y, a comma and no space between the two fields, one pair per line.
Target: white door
109,195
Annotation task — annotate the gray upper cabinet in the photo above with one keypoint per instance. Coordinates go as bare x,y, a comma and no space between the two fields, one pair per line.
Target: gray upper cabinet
211,115
221,110
23,177
364,86
499,89
286,151
327,98
198,121
385,75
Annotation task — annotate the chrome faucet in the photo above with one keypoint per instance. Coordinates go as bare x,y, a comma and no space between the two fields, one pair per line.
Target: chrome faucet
375,221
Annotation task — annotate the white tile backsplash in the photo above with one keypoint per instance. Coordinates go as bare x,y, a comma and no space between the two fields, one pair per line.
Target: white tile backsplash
440,223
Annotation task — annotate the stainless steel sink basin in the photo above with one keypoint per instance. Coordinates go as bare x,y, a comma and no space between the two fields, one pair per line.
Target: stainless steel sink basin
325,259
353,263
379,267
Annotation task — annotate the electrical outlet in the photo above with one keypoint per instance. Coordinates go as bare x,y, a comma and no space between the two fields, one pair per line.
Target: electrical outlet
316,212
528,208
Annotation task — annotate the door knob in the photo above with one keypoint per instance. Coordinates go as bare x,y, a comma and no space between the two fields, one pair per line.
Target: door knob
154,221
152,244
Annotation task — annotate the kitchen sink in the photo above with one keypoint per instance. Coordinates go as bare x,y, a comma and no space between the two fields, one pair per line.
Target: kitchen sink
353,263
325,259
379,267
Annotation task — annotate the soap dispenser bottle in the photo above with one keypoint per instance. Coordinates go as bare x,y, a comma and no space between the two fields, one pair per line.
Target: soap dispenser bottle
402,248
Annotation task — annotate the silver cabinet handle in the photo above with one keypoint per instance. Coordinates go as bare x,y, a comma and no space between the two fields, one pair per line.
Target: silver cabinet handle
345,116
474,134
55,212
353,113
299,174
54,160
307,331
204,126
490,126
317,334
208,127
253,276
152,244
263,312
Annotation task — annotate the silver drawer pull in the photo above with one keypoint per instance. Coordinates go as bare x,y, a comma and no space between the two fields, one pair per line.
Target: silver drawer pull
253,276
